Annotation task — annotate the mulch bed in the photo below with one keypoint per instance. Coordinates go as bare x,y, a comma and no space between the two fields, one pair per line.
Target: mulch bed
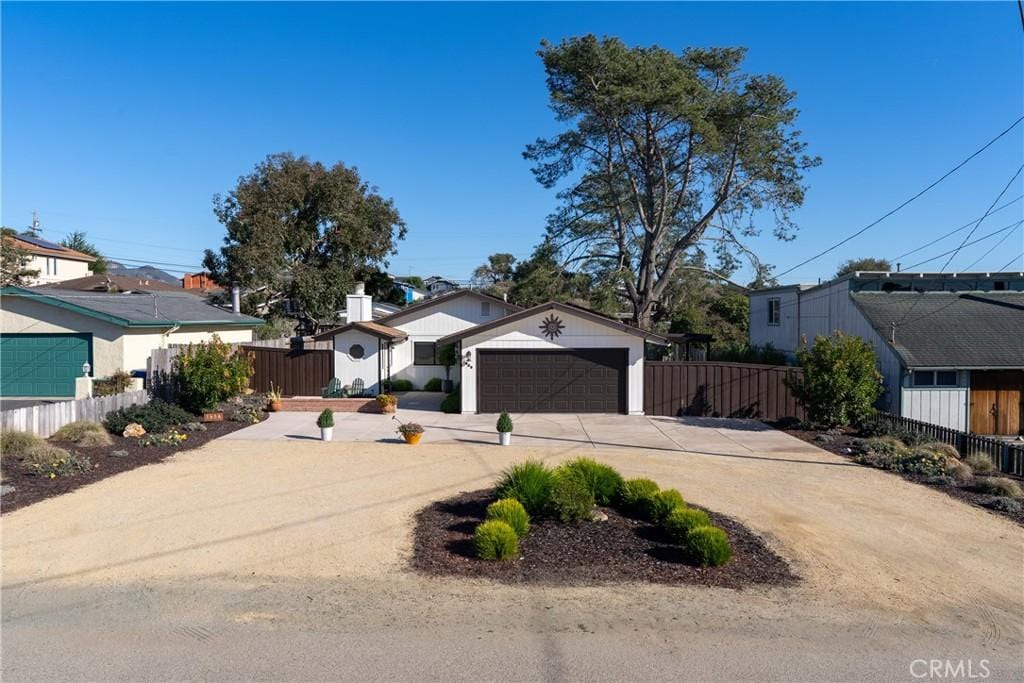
619,549
30,489
842,442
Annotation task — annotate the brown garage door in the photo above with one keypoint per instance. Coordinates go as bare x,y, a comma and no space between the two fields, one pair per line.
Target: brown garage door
569,381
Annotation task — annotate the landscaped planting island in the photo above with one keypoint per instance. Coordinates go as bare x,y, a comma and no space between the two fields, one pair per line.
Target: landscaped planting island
582,523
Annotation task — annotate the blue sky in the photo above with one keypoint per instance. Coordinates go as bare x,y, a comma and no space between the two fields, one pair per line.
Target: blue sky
123,120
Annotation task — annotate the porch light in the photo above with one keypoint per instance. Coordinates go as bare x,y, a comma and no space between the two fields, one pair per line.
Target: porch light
86,367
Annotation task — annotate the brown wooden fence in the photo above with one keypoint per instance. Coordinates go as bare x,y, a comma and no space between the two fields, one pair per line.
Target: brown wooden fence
719,390
293,373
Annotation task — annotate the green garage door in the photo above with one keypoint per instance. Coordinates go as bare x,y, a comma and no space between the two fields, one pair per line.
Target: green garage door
42,364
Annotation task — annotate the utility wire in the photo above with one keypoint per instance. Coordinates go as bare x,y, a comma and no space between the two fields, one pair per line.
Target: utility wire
991,249
901,206
953,232
1013,260
953,251
1000,196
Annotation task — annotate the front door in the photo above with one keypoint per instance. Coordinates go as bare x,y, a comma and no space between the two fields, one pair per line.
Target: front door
996,397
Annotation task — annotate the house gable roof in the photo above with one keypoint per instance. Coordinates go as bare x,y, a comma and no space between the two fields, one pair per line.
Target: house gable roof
150,309
949,329
372,328
425,305
567,309
121,283
42,247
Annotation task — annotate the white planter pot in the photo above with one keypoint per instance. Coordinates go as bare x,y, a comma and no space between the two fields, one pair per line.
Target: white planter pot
505,438
326,433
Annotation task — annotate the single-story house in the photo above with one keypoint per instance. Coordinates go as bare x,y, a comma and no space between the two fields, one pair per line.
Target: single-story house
55,262
549,358
950,346
48,334
112,284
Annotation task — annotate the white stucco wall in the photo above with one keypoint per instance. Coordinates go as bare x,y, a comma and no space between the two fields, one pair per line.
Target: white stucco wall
579,333
66,269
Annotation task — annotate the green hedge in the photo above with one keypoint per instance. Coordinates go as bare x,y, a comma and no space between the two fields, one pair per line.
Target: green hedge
495,540
512,512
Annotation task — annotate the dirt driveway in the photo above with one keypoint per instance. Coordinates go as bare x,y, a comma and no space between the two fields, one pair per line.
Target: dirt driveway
285,560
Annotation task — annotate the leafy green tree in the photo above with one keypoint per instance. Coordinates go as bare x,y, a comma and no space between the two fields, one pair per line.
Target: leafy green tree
414,280
542,278
853,265
208,373
301,231
495,276
663,152
78,242
14,260
840,381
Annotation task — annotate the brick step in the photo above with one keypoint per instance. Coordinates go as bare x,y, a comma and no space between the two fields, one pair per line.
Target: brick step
338,405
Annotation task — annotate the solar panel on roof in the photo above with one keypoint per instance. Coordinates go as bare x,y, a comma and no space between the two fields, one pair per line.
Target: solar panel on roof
40,242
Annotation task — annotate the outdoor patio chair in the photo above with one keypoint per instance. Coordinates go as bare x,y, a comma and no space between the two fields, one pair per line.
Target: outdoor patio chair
357,388
334,389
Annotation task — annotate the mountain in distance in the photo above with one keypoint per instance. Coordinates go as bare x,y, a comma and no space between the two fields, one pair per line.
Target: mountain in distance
142,272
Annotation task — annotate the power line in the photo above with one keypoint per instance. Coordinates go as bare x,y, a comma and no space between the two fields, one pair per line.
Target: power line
898,208
1013,260
998,197
991,249
953,232
953,251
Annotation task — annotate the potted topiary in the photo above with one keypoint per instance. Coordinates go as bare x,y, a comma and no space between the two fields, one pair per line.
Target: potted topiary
504,429
411,432
447,357
326,424
388,403
273,399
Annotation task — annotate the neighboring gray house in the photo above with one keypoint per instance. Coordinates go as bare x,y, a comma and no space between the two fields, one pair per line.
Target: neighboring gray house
950,346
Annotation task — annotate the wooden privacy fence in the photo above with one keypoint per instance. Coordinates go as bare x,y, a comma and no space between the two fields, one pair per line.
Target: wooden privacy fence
719,390
293,373
1008,457
44,420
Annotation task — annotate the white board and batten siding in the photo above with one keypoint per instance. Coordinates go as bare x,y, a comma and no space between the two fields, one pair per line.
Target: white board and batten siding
579,333
943,406
348,368
44,420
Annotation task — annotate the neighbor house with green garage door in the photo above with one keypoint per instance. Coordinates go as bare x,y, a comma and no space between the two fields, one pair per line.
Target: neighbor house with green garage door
48,334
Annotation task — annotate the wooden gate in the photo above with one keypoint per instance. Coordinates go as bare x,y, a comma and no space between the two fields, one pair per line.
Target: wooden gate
719,390
293,373
996,402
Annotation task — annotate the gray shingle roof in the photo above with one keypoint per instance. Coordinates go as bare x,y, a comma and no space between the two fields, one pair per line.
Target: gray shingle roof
143,309
950,329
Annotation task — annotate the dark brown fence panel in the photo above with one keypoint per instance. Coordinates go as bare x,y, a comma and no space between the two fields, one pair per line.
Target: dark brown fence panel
293,373
719,389
1008,457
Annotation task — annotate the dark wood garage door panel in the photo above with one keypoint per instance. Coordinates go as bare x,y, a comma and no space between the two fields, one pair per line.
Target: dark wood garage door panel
569,381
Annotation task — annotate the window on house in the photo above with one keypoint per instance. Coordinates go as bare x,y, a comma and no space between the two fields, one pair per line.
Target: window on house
1000,285
424,353
774,311
933,378
485,309
51,265
356,351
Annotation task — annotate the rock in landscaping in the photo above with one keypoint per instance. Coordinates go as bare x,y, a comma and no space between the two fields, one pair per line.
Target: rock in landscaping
598,516
119,454
134,430
824,438
5,489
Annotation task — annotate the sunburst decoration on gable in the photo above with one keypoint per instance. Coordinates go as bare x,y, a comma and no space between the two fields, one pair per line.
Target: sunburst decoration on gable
551,326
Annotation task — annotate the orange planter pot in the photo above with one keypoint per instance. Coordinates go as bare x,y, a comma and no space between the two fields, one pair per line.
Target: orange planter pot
388,409
274,406
412,439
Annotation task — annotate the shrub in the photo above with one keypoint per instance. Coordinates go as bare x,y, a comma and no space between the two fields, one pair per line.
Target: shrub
840,380
709,546
980,463
433,384
452,403
571,500
117,383
998,486
886,445
943,449
504,424
512,512
52,462
401,385
1004,505
602,480
407,429
922,461
249,415
679,522
155,416
634,492
531,483
193,427
171,438
958,471
387,400
742,352
657,507
326,419
495,540
208,373
18,443
83,433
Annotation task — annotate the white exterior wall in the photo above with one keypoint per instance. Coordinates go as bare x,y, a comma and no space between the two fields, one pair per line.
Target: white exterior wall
946,407
367,368
66,269
786,335
579,333
138,345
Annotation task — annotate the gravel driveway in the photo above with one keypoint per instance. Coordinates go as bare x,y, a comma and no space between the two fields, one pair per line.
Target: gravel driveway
287,560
